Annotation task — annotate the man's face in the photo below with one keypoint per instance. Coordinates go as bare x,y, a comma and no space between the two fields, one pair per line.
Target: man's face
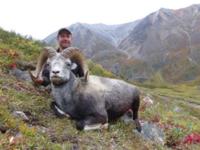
64,40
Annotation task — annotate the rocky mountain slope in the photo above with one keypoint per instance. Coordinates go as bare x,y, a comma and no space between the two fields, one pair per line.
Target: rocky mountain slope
164,42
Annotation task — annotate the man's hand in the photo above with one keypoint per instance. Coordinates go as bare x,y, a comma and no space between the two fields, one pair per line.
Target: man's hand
36,80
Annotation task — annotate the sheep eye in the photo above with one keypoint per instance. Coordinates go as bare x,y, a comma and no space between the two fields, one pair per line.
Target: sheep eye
68,64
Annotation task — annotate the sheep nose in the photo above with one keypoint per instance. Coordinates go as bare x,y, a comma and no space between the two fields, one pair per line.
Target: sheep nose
55,72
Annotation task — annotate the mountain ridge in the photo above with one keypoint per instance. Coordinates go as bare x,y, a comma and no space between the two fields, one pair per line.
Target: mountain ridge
155,43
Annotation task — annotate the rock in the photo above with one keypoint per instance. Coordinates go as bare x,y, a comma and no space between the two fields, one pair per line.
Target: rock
152,132
20,114
113,144
23,65
19,74
148,101
177,109
127,117
42,129
14,140
19,68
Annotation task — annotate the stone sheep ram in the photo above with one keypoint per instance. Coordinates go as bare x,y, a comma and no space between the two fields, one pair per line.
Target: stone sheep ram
92,101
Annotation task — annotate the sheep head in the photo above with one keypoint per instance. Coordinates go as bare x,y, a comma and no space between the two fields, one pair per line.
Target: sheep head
63,64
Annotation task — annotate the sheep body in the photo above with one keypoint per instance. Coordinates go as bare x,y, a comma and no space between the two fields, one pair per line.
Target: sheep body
98,100
94,100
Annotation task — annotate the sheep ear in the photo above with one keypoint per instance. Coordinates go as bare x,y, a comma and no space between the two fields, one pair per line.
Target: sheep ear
73,66
86,76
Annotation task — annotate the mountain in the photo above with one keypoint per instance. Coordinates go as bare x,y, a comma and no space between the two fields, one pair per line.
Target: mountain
168,40
165,42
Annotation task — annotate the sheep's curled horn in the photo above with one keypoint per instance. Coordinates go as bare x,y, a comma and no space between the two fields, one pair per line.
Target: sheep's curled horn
76,56
50,52
47,52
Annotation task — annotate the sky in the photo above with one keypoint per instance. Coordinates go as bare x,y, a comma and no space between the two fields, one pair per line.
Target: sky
39,18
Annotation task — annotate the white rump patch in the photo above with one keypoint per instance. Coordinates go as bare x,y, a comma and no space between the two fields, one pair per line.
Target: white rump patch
96,126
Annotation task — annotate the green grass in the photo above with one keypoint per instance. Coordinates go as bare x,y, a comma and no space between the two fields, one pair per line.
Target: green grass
172,110
97,69
59,133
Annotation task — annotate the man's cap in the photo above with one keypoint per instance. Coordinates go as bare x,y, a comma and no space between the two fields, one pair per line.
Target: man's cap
64,30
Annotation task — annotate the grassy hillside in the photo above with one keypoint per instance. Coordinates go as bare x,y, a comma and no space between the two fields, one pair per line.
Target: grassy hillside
175,109
14,47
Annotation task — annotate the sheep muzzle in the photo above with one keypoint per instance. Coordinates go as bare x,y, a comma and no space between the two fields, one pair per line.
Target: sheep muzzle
57,80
